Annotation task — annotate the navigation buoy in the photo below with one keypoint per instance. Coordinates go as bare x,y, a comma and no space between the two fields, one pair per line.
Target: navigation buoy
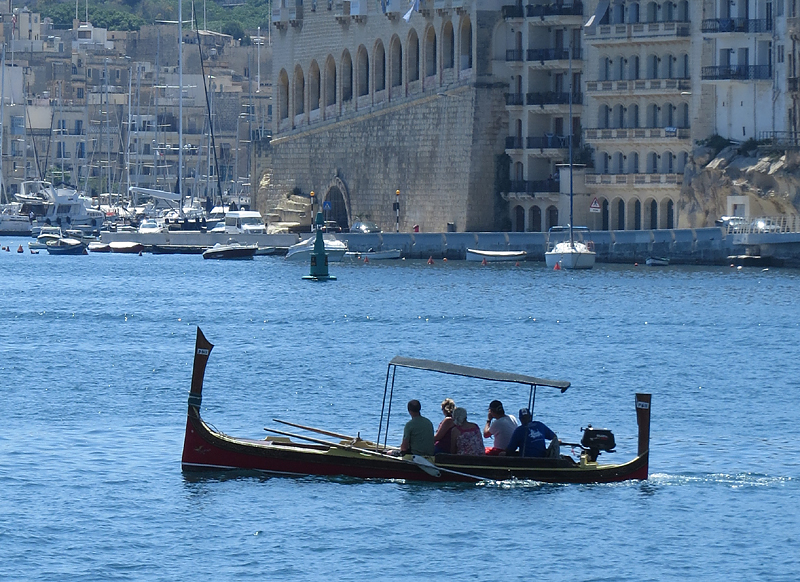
430,261
636,264
483,262
516,264
319,258
366,260
557,267
444,260
20,249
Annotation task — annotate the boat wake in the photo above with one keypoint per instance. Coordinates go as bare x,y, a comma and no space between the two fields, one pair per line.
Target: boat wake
732,480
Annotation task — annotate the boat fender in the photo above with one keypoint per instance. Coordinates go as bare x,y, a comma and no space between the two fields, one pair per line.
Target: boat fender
590,245
444,260
635,264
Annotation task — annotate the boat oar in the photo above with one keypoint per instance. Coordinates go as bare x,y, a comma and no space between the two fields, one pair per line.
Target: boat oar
332,444
312,429
432,469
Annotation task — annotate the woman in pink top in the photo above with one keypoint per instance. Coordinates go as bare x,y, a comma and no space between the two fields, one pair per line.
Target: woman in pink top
466,436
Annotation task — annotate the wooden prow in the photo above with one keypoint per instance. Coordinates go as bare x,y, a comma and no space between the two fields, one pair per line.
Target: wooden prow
202,350
643,420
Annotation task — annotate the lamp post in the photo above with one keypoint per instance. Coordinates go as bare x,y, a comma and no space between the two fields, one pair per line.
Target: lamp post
312,208
397,210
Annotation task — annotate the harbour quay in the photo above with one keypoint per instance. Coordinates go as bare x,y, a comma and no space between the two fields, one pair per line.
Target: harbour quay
691,246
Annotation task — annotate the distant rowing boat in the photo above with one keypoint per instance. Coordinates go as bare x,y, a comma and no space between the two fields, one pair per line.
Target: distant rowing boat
495,256
657,262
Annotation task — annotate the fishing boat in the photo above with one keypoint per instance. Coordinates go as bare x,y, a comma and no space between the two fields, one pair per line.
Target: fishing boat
374,255
46,235
122,246
334,248
12,221
66,246
495,256
231,250
207,449
657,261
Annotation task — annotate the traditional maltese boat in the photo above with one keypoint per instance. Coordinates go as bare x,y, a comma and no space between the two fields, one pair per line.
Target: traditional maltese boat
206,449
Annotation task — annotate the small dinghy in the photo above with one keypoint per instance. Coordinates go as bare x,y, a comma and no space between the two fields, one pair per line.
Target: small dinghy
126,247
230,250
66,246
657,262
495,256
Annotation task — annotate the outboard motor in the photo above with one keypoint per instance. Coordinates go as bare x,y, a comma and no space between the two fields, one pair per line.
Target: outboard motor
596,440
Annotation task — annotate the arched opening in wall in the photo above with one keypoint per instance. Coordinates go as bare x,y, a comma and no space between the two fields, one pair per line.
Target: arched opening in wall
621,215
683,11
635,69
552,217
637,215
619,69
379,62
652,115
653,208
633,13
535,219
605,215
430,52
668,12
347,76
684,115
652,12
299,91
313,86
330,81
412,52
668,163
604,117
617,13
338,211
465,42
652,66
671,63
652,163
633,116
669,115
683,159
605,165
605,71
685,72
618,166
396,61
633,163
448,46
362,68
283,95
519,219
519,175
670,214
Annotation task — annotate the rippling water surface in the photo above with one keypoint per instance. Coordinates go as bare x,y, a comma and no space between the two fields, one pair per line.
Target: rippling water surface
95,366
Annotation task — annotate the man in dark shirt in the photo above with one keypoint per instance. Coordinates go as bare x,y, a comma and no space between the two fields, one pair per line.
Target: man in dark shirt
529,438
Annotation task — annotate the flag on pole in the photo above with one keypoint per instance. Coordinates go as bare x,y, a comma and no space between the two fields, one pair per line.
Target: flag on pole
414,8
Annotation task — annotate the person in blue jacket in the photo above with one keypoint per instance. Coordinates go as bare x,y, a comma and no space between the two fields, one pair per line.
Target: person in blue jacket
530,437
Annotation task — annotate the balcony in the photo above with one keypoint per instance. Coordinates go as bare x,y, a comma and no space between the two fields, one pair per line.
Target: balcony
736,72
551,141
639,86
543,55
638,133
553,98
534,186
751,25
513,11
513,143
782,139
646,32
515,99
539,11
635,180
514,55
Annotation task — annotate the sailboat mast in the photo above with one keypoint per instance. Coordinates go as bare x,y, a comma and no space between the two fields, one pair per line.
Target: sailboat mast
3,195
571,131
180,106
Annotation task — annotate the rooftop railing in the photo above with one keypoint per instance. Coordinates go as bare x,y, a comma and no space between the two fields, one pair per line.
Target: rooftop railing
753,25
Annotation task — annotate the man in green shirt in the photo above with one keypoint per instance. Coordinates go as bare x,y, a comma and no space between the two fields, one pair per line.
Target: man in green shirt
418,433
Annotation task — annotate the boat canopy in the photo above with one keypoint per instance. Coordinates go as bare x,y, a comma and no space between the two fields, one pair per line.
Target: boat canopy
470,372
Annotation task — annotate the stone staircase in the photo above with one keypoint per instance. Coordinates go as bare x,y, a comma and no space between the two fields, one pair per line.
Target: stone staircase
292,214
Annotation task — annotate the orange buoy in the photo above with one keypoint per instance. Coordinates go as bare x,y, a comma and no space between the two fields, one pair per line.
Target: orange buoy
636,264
483,262
516,264
557,267
366,260
430,261
444,260
20,249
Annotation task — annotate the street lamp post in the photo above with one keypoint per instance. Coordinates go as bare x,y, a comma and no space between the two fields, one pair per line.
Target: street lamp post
397,210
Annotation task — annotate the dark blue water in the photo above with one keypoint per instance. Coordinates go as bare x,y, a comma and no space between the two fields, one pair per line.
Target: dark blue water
95,367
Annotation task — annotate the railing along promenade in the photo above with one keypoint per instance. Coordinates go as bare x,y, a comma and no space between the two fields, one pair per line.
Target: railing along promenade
785,223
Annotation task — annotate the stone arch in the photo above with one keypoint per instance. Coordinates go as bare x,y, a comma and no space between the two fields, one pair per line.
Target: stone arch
633,163
666,208
299,100
682,14
667,115
396,61
652,115
633,116
283,95
633,13
604,211
448,45
465,44
412,56
618,211
330,81
652,163
535,219
618,163
518,218
650,221
634,214
362,71
667,162
652,66
347,76
379,65
313,86
430,52
618,116
337,194
652,12
604,116
552,216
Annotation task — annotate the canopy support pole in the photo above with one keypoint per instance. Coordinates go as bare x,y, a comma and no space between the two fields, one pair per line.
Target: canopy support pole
532,398
383,407
389,411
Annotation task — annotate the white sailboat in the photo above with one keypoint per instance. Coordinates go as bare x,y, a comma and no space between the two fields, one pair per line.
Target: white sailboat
570,254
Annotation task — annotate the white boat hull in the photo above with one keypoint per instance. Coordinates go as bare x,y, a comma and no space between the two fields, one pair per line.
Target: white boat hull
577,256
335,249
495,256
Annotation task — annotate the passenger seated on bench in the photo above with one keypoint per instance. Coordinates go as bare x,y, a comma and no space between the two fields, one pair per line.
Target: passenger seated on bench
441,440
500,426
529,438
466,436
